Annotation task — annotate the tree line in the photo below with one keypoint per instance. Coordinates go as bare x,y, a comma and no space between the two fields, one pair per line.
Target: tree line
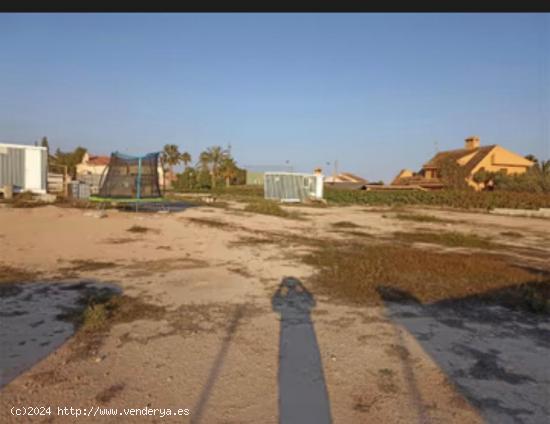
214,166
63,159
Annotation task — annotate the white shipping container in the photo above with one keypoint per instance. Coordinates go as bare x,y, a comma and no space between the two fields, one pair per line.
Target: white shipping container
293,186
23,167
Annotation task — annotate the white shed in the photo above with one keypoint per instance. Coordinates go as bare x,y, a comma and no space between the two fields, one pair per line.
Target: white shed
293,186
23,167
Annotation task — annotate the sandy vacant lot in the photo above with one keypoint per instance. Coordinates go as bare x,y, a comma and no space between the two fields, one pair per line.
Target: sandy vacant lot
207,335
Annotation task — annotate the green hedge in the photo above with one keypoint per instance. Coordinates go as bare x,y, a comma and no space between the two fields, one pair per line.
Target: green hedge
236,190
464,199
450,198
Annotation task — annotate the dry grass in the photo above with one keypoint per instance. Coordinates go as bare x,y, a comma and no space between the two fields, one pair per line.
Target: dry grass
344,224
386,381
259,237
284,240
417,217
213,223
199,201
165,265
354,233
136,268
48,378
101,314
354,272
253,241
450,239
109,393
512,234
241,271
309,203
362,234
269,207
10,274
120,240
140,229
87,265
95,317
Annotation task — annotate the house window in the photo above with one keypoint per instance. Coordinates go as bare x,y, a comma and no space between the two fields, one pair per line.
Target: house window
504,170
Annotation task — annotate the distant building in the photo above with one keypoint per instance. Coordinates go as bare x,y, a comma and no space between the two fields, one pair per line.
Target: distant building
472,158
92,165
346,180
345,177
255,174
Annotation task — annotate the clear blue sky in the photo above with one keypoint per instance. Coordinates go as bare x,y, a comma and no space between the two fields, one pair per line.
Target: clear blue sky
374,91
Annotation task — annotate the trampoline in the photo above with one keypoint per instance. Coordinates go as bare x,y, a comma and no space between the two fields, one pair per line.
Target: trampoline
130,181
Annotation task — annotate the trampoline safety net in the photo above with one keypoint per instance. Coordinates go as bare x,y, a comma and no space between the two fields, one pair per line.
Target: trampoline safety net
130,177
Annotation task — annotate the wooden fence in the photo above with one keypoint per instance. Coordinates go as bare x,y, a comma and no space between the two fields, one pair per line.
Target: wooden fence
56,183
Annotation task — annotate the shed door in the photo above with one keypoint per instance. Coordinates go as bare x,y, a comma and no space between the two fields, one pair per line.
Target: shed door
33,170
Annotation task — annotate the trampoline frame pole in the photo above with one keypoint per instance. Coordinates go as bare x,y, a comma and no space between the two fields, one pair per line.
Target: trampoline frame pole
138,194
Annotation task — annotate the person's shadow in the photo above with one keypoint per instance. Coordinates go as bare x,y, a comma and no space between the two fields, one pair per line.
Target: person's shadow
303,396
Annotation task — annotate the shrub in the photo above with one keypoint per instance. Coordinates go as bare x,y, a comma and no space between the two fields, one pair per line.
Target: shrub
451,239
535,180
95,317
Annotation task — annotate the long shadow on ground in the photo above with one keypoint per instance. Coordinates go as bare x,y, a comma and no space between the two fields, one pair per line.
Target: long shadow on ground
34,320
303,396
198,410
497,357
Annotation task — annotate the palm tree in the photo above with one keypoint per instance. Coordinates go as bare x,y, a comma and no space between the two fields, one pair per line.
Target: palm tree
228,169
170,157
204,162
211,159
185,158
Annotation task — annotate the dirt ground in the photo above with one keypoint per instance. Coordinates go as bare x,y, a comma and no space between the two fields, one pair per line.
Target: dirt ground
219,356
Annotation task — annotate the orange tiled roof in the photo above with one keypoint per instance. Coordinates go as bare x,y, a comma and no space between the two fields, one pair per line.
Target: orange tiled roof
352,177
99,160
480,153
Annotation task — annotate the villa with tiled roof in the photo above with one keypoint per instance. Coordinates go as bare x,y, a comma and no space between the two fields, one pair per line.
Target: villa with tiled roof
473,158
